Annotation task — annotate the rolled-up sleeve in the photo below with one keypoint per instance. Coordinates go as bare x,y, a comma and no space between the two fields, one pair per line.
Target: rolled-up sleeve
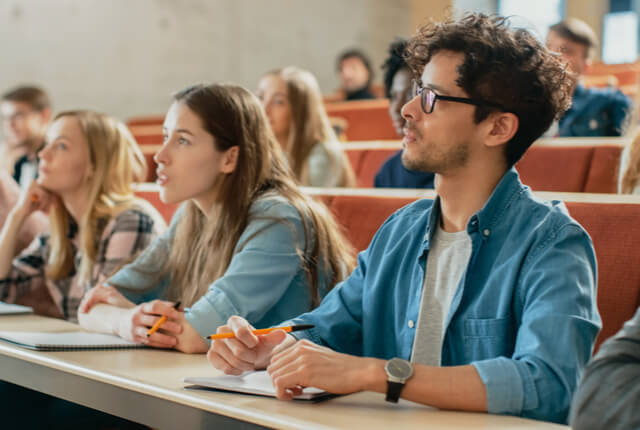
559,323
609,393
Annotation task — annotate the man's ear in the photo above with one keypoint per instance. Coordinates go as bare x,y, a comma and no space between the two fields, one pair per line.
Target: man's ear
230,159
504,126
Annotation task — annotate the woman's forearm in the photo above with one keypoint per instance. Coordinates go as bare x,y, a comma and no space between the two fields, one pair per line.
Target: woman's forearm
8,239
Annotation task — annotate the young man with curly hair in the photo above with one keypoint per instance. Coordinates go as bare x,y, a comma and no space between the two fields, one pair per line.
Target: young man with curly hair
481,300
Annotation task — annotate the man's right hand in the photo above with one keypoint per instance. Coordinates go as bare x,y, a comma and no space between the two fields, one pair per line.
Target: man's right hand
246,351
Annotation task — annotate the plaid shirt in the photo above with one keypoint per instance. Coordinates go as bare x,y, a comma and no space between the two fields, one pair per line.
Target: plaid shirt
122,238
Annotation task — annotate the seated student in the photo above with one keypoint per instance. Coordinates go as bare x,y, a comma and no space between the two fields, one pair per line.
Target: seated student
593,111
26,112
495,305
246,242
293,103
85,177
397,86
609,392
356,74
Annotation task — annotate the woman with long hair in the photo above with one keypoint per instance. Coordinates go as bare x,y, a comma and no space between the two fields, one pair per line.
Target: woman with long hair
629,175
246,241
85,180
293,103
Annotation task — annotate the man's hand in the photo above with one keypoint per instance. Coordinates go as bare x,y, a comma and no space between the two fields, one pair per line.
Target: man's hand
247,351
306,364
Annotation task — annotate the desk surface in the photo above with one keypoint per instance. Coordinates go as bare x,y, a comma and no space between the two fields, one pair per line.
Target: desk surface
146,386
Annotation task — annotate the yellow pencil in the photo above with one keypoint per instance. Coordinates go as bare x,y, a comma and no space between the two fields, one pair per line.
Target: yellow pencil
262,331
161,321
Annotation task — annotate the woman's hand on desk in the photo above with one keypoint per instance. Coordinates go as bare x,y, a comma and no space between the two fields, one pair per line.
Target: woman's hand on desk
137,321
246,351
105,294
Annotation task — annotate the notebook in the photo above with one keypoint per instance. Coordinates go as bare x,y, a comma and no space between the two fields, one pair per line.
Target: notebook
257,383
66,341
11,309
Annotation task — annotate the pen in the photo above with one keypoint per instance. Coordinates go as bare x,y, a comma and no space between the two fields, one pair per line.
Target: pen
263,331
161,321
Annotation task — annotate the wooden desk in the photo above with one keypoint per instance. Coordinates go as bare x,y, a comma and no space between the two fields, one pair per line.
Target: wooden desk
146,386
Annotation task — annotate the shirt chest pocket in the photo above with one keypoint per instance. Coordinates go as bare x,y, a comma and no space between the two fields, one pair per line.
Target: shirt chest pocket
488,338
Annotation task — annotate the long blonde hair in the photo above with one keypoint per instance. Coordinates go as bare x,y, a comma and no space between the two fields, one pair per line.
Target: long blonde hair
202,249
310,126
630,176
117,163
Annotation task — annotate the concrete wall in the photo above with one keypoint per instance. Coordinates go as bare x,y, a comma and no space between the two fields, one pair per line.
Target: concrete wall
126,57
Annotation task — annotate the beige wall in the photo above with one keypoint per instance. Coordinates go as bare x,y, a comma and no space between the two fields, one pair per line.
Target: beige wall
590,11
126,57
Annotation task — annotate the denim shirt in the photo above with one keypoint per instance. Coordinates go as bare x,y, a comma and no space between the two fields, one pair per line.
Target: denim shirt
595,112
524,313
264,283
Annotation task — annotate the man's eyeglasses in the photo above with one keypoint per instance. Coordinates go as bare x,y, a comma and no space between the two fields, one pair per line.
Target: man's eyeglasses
428,98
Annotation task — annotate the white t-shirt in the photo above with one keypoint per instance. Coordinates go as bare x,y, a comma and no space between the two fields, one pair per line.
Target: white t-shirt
447,261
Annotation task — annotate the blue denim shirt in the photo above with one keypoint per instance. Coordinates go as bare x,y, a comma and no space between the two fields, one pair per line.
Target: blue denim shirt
265,281
524,313
595,112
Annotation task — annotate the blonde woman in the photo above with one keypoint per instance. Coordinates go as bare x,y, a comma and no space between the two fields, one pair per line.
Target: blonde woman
629,177
293,103
246,241
85,178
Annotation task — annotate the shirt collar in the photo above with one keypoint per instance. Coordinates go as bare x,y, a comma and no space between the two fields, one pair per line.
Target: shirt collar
486,218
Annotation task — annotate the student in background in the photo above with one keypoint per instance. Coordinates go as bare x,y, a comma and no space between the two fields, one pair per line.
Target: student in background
356,74
247,241
593,111
397,86
609,393
26,112
85,177
293,103
487,290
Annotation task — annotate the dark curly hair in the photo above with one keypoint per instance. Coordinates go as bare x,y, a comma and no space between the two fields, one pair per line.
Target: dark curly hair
502,66
393,63
356,53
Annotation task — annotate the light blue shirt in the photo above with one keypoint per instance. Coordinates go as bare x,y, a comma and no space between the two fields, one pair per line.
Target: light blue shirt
524,313
264,283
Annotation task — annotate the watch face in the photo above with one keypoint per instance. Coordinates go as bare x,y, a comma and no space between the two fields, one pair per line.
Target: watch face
399,368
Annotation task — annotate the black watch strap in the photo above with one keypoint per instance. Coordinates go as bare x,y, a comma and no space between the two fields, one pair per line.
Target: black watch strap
393,391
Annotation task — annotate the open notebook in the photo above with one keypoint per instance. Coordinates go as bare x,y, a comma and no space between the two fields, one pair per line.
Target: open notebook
66,341
258,383
11,309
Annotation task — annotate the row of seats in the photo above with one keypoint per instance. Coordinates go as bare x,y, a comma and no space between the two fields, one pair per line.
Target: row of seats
360,119
610,220
574,165
562,165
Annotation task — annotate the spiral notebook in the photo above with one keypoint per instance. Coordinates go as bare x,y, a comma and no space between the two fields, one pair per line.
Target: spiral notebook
256,383
66,341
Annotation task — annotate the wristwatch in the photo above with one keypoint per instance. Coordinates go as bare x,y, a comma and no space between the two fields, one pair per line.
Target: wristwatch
398,373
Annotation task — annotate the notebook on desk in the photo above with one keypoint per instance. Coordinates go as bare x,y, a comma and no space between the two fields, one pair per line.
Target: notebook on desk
66,341
257,383
11,309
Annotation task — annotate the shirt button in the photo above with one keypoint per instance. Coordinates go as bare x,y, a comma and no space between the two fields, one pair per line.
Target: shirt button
486,232
410,324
